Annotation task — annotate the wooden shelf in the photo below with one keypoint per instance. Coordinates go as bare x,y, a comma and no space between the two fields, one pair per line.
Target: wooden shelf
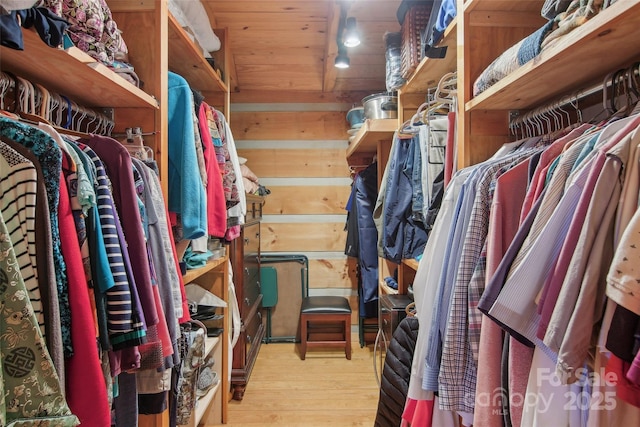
607,41
503,5
73,73
191,275
204,403
186,59
430,70
210,344
372,131
387,290
412,263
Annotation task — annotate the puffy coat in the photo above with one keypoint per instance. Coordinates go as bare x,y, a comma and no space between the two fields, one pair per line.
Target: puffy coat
396,373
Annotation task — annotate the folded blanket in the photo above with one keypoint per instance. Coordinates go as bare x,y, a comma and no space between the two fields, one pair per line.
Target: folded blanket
569,16
512,59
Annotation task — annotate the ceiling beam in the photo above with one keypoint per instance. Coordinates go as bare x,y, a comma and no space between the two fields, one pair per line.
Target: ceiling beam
331,48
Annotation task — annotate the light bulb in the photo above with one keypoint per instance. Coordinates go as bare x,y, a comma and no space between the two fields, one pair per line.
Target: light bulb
351,36
342,60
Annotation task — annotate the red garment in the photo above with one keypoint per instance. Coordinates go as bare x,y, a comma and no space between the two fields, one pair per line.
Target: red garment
449,150
86,391
216,203
625,389
633,374
418,413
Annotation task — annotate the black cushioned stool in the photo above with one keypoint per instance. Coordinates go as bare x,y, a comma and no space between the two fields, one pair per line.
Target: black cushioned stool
325,309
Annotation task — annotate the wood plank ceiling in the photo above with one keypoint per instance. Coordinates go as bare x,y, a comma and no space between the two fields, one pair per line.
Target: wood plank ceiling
290,45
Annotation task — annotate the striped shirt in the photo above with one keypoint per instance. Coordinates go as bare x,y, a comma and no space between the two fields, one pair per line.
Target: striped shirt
18,182
125,324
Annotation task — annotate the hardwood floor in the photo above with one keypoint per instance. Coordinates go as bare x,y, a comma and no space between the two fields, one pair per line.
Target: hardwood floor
326,389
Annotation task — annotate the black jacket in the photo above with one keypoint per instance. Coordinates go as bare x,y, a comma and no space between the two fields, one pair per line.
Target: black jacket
396,373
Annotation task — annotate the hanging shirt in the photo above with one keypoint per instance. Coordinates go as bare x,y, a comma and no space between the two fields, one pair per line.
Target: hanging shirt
581,297
623,276
124,314
457,375
238,195
425,284
160,248
509,193
445,284
216,204
86,389
48,153
117,163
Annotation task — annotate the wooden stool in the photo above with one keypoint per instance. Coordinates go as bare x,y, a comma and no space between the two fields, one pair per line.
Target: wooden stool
325,309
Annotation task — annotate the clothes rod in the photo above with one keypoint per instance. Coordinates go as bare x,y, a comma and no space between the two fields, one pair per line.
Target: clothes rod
515,117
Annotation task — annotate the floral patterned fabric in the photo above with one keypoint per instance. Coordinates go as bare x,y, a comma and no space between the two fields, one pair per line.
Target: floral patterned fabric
30,386
224,158
50,157
92,29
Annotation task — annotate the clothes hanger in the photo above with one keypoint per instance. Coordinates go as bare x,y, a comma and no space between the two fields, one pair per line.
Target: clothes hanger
621,91
94,118
410,127
58,108
45,103
25,102
607,110
78,114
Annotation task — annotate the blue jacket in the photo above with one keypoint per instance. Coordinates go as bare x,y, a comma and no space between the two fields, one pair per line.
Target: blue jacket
187,196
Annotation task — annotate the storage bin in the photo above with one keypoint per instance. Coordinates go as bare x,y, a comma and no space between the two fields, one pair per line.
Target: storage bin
415,20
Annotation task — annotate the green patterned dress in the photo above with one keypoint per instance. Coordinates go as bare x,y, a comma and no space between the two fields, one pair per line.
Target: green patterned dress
30,387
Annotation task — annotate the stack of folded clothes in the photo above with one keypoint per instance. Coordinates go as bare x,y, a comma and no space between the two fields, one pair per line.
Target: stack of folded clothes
563,17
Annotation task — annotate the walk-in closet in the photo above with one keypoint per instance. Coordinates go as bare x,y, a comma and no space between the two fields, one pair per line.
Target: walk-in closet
411,213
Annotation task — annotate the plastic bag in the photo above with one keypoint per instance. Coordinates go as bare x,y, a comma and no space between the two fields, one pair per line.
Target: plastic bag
393,55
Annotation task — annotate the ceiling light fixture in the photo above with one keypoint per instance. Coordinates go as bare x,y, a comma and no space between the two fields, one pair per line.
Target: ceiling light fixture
351,36
346,28
342,60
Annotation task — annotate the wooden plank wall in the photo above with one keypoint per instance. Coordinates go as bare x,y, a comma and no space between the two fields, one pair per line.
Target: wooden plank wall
297,150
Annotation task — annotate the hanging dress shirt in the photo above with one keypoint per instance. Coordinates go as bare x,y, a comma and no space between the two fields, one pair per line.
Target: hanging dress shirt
515,306
446,280
505,210
463,316
425,288
581,298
